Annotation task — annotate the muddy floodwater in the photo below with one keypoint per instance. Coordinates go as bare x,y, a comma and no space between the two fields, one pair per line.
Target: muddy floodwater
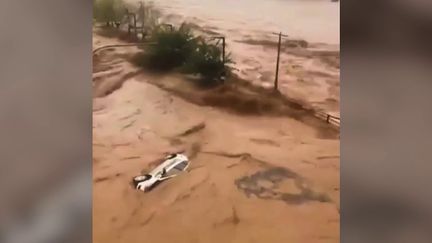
252,178
310,60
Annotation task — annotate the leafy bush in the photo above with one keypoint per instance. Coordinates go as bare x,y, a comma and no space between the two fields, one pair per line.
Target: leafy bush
178,48
206,60
171,48
108,11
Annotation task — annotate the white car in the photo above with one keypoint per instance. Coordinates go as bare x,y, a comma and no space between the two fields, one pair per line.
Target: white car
172,165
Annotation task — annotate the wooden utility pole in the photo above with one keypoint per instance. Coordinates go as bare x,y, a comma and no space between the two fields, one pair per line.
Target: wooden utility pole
219,38
223,46
276,83
135,24
132,17
223,50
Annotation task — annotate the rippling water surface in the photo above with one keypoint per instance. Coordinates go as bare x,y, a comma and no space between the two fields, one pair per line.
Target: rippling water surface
312,20
310,75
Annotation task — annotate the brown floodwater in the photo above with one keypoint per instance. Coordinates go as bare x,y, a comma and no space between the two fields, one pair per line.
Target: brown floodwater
310,74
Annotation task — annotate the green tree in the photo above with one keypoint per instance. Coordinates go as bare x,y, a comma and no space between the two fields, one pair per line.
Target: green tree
172,47
206,60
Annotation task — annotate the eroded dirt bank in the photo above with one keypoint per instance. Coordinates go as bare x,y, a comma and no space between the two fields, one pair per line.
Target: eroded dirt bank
252,178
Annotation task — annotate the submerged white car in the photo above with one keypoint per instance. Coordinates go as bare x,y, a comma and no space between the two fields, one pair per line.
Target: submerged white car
172,165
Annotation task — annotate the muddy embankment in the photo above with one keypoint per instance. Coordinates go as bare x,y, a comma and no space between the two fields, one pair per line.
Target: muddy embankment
262,167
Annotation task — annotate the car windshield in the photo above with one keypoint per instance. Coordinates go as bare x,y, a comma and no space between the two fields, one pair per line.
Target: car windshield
181,166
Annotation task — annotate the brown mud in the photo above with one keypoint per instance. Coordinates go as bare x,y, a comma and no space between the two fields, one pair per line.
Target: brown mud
262,168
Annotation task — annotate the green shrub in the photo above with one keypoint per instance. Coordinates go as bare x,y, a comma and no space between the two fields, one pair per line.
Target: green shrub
178,48
171,48
206,60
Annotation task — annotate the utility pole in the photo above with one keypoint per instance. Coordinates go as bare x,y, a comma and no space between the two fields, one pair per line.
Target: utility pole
223,46
223,50
219,38
135,23
276,83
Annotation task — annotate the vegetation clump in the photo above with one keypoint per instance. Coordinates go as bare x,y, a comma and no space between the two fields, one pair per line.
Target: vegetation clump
177,48
207,60
171,47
